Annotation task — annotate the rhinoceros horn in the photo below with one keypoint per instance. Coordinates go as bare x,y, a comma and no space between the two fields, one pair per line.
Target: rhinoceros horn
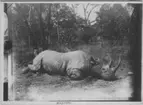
114,69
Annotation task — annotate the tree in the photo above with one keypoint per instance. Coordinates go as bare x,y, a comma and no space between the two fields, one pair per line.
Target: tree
85,33
21,14
32,16
114,22
45,24
88,10
83,29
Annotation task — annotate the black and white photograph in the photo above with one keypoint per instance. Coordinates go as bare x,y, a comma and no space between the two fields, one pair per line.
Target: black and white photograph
72,51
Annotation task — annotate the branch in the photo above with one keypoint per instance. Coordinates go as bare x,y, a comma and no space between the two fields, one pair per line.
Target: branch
9,6
93,21
91,11
87,6
74,8
84,11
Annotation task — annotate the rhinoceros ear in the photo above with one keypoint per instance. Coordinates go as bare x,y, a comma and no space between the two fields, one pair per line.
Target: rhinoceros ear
94,61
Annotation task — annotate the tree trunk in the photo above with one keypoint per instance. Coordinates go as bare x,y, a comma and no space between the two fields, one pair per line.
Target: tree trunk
29,41
58,33
29,29
49,24
42,28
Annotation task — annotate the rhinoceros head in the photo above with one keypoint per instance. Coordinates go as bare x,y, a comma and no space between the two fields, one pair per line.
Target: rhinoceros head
108,70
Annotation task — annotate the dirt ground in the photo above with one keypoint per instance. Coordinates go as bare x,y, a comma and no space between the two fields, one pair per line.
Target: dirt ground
46,88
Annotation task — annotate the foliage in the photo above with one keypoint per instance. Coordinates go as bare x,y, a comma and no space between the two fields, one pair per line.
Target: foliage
42,21
47,25
113,21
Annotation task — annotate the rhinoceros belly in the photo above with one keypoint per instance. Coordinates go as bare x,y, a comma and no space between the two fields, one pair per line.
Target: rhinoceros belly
78,60
53,64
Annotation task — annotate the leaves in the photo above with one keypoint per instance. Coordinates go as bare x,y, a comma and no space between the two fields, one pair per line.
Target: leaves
114,21
59,21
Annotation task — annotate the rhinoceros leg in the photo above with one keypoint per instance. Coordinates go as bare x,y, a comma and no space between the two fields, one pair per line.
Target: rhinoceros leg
74,74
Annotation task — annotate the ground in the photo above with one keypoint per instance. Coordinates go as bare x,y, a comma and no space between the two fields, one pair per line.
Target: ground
45,87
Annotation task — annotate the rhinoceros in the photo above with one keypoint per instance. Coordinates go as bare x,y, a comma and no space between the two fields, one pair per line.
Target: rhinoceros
75,64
